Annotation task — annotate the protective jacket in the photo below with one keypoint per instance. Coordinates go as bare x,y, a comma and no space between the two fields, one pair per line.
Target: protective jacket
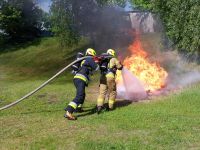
113,66
75,67
108,84
86,68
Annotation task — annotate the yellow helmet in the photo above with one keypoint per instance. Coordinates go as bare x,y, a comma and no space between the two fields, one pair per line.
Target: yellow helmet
111,52
91,52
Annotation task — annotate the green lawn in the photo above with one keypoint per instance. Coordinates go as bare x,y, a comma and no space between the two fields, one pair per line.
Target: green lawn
167,122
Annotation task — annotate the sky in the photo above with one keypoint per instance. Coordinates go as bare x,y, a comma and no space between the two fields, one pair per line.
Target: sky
44,4
128,7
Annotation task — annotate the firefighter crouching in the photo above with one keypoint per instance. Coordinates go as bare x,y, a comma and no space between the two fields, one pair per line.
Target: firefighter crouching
81,80
108,69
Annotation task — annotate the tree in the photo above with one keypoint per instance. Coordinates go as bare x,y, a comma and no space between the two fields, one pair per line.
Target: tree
181,19
10,19
70,17
62,22
19,19
120,3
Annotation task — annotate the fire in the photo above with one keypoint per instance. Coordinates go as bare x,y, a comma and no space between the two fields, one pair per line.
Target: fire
152,75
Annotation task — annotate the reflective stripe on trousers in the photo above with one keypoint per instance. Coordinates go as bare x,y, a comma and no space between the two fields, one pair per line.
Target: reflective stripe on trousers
80,95
72,104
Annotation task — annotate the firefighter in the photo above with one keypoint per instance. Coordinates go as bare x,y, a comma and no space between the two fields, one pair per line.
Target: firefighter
108,69
75,67
81,80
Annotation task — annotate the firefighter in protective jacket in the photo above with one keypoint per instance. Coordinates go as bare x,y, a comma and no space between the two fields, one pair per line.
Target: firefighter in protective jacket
75,67
108,69
81,80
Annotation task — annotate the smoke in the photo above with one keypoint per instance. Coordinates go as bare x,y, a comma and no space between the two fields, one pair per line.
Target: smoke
181,72
189,78
112,27
106,26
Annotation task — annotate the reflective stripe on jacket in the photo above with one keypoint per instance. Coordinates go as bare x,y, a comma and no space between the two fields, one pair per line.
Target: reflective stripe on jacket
113,65
110,75
82,77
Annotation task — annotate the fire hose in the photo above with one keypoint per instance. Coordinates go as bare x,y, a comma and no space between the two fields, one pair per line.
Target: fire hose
42,85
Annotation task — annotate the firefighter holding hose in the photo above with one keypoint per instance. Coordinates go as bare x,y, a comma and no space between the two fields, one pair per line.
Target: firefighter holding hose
108,67
81,80
75,67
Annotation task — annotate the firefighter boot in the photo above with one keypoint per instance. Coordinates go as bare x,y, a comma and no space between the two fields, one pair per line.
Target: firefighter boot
69,116
79,109
99,109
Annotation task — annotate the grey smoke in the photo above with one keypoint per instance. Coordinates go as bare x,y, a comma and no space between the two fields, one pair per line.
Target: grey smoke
189,78
112,27
105,26
182,73
145,22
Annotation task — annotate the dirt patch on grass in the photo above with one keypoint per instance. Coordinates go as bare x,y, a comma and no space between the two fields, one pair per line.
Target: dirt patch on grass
92,92
42,95
52,99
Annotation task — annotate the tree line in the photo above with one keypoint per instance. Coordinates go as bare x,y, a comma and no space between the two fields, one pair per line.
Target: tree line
23,19
20,20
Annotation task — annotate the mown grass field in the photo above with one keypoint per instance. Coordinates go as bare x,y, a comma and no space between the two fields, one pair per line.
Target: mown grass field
167,122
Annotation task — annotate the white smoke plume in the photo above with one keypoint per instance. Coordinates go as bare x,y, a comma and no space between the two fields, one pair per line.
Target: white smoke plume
112,27
182,73
189,78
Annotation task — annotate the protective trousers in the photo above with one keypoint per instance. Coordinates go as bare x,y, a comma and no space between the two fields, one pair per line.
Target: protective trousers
107,86
80,95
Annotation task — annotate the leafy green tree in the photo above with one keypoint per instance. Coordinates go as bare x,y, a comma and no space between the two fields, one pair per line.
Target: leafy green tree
1,39
70,16
181,19
19,19
111,2
62,22
10,19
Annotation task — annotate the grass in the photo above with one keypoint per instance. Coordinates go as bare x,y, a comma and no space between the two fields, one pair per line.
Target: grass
168,122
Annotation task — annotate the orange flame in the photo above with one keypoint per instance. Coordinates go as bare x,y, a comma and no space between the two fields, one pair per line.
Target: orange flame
152,75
